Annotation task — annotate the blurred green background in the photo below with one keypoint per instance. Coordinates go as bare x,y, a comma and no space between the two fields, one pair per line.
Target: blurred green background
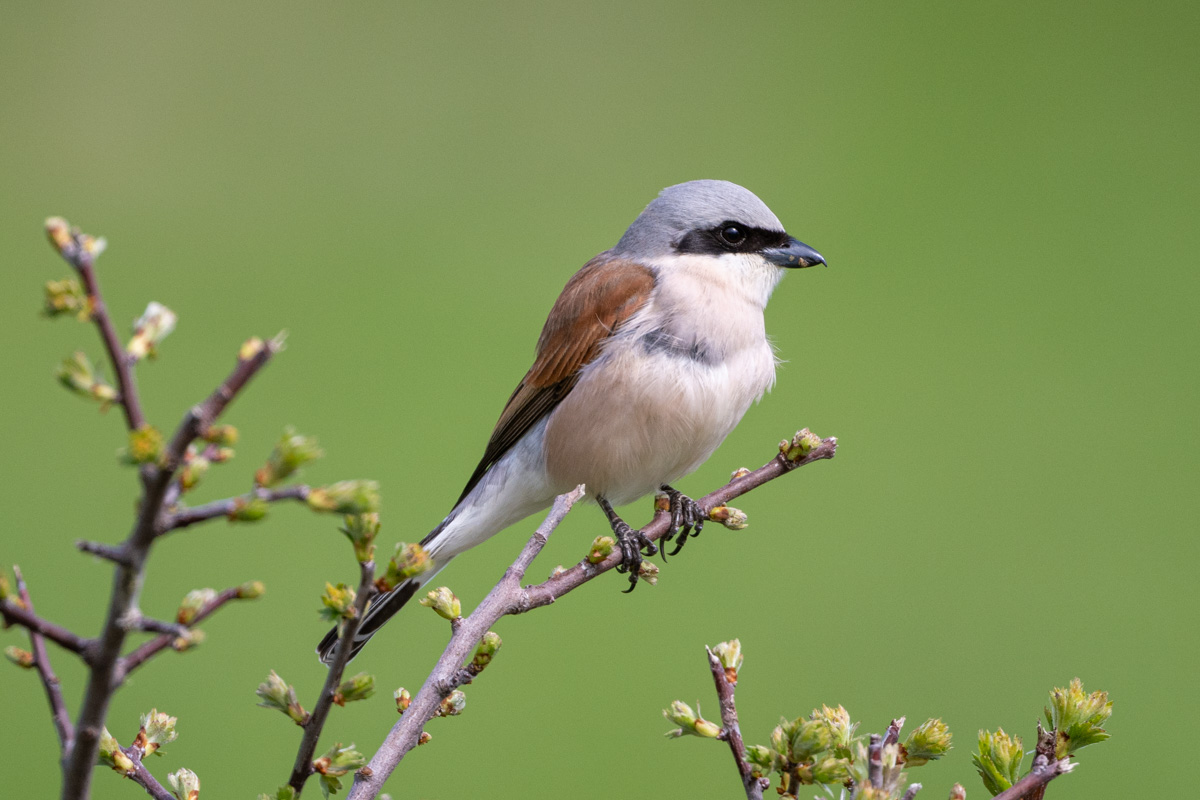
1005,345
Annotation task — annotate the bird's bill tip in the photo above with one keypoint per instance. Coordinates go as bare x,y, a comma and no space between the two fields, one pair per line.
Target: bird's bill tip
795,254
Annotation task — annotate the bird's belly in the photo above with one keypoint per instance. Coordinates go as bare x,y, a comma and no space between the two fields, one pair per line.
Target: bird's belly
636,421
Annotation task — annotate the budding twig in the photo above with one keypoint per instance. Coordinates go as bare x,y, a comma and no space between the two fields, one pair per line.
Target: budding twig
15,615
151,648
558,585
732,733
1036,779
127,580
223,508
448,674
142,777
115,554
41,662
83,260
303,767
875,760
508,597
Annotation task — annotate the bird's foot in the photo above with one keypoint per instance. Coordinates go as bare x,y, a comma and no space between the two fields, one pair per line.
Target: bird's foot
687,519
632,543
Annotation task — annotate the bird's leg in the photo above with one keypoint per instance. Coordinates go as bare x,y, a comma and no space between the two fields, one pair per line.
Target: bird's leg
631,542
687,517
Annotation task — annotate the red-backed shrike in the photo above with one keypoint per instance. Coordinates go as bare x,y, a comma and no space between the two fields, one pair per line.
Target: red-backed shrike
649,358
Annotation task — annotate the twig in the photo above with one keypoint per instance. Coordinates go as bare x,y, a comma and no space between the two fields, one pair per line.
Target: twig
41,661
1043,755
448,673
892,734
1036,779
732,733
303,767
83,261
149,625
127,580
875,760
548,591
142,777
15,615
151,648
113,553
223,508
507,597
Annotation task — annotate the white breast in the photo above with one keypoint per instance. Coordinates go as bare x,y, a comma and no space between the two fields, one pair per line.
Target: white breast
671,385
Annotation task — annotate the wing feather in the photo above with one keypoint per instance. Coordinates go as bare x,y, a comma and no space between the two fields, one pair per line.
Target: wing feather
592,306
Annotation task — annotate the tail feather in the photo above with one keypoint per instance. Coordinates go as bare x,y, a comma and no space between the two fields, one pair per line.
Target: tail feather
379,611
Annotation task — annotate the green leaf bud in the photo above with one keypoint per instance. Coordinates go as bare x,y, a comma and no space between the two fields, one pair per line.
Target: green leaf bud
485,651
184,784
452,705
157,729
602,548
803,443
443,601
730,655
291,453
841,729
251,590
403,700
346,497
762,759
339,602
112,755
220,435
145,446
67,297
154,325
275,693
998,760
732,518
361,530
408,561
1077,718
927,743
22,658
831,770
248,509
193,603
360,687
690,722
336,762
807,738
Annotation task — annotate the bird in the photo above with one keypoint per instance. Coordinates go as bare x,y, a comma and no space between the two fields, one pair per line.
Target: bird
649,358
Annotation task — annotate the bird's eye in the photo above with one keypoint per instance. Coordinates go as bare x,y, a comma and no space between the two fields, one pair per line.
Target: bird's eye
732,235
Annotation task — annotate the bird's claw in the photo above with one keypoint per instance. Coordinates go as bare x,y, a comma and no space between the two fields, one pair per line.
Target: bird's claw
633,544
687,519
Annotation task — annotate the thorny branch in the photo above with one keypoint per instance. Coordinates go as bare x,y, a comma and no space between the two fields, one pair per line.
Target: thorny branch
184,517
26,618
75,249
156,645
303,767
1035,781
129,573
41,662
731,732
508,597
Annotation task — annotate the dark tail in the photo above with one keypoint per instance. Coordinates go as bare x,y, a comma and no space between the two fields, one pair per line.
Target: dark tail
379,612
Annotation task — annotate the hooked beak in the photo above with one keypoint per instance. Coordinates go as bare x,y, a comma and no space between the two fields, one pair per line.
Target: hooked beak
793,254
